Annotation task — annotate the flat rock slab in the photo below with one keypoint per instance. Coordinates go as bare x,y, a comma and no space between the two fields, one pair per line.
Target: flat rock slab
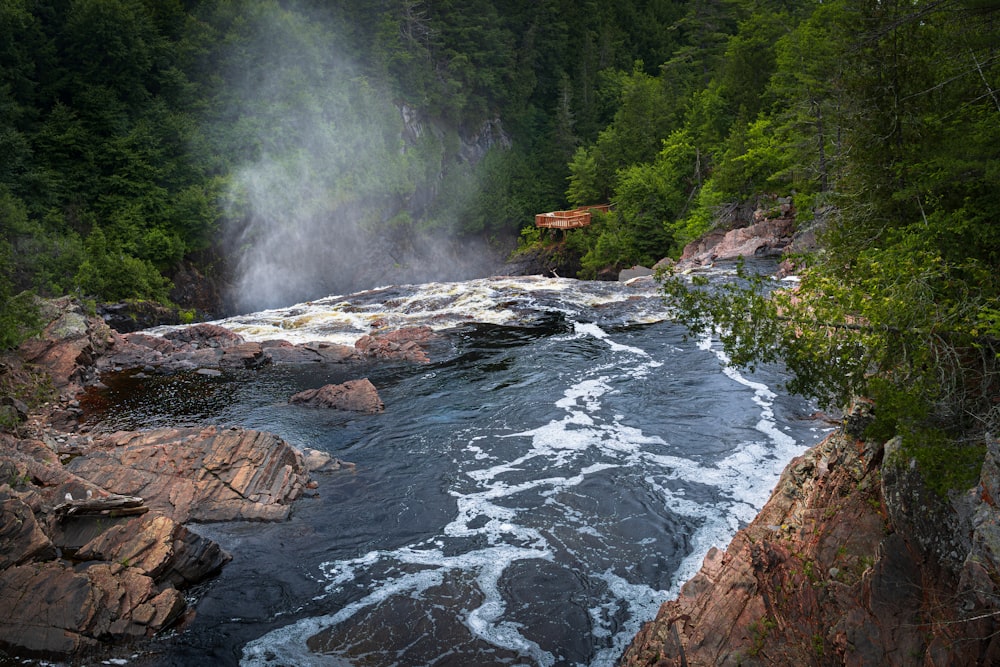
199,474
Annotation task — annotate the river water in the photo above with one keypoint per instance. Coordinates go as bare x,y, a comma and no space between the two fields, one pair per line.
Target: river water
529,497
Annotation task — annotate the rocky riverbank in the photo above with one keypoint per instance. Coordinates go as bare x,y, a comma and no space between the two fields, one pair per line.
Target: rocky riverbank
852,561
97,537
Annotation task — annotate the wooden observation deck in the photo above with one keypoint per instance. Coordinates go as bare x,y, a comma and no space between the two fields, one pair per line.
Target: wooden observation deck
578,217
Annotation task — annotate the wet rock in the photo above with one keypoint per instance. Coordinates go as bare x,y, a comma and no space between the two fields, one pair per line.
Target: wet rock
283,352
317,461
626,275
74,573
54,608
129,316
406,344
205,335
243,355
158,547
353,396
193,474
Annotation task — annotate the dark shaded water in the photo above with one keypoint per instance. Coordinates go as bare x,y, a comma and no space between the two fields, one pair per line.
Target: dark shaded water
528,498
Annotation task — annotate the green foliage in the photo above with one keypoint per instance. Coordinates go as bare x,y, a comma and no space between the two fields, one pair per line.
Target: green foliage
652,195
584,186
113,274
18,314
887,112
944,464
703,215
608,244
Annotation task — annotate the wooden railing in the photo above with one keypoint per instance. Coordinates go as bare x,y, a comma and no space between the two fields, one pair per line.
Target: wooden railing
578,217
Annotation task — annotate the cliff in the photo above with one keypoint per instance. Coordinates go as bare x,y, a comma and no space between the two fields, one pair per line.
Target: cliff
852,561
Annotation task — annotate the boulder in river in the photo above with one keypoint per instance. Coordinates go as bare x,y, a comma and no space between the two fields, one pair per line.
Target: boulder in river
353,395
406,344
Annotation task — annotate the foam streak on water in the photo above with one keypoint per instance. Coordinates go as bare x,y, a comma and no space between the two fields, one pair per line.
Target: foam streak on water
578,497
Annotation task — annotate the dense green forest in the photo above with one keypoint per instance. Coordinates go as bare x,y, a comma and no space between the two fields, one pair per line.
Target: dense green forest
141,136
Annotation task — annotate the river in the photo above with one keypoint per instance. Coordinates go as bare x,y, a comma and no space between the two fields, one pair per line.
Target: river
529,497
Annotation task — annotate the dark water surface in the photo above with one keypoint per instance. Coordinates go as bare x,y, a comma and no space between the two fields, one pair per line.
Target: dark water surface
530,497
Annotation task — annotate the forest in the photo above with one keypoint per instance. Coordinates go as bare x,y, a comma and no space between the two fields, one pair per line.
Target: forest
138,137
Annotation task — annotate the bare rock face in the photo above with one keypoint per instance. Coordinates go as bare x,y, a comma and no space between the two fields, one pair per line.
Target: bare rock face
353,395
200,474
823,576
21,538
74,573
54,608
766,238
68,344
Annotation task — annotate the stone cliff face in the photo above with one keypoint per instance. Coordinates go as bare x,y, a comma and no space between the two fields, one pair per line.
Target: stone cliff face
851,562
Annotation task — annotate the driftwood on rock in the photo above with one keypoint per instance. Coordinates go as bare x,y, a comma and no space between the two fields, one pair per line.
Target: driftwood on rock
112,506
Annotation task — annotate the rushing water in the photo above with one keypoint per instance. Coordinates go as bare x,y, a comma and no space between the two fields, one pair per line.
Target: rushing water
530,497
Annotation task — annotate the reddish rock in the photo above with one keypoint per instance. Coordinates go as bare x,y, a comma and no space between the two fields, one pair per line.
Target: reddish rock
52,607
822,577
763,239
128,570
353,395
21,538
205,335
68,345
158,547
406,344
283,352
244,355
193,474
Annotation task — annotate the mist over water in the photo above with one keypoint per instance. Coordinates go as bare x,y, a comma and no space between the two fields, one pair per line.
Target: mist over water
337,188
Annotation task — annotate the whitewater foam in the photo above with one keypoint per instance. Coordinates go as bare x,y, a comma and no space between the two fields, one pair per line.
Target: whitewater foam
505,478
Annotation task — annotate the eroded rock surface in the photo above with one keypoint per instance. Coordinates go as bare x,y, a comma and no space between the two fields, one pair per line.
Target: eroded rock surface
767,238
199,474
70,582
353,395
825,576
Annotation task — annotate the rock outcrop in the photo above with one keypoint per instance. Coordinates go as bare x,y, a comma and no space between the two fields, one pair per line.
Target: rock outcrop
828,575
353,396
199,474
73,580
209,346
68,346
406,344
767,238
